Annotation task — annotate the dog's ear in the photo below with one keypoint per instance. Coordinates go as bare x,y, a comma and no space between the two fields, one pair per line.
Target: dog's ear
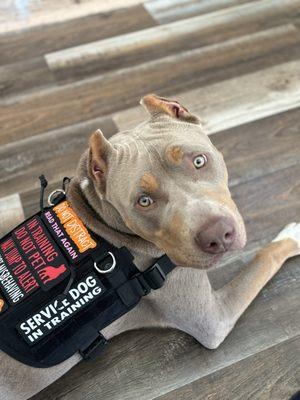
158,105
99,151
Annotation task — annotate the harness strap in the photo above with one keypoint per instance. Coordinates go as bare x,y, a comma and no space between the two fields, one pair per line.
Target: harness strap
130,292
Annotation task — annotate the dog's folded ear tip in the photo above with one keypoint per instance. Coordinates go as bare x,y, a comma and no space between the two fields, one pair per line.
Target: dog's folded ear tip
145,101
148,96
156,105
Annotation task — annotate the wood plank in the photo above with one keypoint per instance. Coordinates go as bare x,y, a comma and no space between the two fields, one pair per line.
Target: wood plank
272,374
58,35
265,199
164,11
55,154
69,104
147,44
35,13
25,76
236,101
11,213
260,148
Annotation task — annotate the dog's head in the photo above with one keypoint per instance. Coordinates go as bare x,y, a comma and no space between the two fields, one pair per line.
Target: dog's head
169,184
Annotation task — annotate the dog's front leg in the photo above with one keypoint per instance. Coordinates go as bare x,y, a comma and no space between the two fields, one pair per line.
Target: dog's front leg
233,298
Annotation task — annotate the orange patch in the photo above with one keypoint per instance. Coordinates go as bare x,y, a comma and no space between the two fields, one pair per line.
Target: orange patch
148,183
174,155
74,227
1,304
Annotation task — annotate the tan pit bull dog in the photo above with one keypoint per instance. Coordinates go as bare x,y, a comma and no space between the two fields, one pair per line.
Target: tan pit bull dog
163,188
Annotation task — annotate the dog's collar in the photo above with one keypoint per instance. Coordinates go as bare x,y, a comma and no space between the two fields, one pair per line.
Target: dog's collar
61,284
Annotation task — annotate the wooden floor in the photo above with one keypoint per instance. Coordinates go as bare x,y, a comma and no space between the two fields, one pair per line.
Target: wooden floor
70,66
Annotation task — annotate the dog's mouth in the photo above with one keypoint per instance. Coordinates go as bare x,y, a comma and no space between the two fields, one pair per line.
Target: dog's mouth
215,259
211,261
196,261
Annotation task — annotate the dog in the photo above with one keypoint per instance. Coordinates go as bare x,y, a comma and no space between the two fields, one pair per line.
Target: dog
162,187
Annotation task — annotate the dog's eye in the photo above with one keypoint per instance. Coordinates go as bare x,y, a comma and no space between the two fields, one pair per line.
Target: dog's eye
145,201
200,161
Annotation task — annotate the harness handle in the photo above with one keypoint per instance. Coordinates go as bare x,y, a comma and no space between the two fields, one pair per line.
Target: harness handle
44,184
65,183
59,195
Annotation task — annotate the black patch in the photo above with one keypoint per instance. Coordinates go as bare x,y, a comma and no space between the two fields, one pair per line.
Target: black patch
29,260
16,279
41,253
61,309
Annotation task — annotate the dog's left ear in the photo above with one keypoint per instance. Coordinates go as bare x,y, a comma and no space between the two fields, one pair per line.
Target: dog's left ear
100,150
158,105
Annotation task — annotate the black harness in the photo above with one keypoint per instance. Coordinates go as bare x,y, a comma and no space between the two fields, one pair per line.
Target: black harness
60,285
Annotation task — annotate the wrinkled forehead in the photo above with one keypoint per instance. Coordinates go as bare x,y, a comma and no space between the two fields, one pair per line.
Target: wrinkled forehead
165,130
160,134
154,148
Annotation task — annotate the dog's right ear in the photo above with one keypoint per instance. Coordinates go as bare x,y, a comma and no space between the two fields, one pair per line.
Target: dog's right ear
100,149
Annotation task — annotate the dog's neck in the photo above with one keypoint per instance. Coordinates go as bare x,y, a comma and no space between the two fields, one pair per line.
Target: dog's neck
102,218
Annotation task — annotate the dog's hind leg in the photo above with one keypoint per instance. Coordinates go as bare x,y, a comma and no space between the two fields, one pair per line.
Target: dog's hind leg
233,298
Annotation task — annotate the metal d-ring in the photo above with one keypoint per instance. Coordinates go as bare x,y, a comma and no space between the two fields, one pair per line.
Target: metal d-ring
101,271
56,191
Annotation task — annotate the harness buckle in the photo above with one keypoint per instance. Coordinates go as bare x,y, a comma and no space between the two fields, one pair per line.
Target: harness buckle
151,279
94,349
141,285
155,276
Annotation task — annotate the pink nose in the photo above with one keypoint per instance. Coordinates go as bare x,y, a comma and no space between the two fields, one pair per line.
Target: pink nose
217,237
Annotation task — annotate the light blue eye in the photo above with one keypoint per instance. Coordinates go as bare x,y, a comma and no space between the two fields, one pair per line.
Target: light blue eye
145,201
200,161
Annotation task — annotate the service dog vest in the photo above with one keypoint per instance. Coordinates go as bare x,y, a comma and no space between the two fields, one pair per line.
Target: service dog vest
60,285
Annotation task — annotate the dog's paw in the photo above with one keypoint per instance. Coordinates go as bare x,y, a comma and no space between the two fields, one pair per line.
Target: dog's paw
291,231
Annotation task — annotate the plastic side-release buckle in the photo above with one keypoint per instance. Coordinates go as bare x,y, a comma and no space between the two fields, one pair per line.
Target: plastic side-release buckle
94,349
155,276
142,283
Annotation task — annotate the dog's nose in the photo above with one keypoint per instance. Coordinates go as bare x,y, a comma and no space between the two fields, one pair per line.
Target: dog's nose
217,237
